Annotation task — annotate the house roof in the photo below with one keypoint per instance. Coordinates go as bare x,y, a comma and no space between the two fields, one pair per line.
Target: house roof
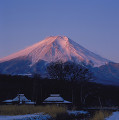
64,102
7,101
20,97
55,98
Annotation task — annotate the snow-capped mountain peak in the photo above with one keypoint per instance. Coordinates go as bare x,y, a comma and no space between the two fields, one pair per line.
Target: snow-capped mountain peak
55,48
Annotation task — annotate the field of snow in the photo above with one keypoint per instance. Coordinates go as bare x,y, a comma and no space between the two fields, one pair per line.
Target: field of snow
39,116
114,116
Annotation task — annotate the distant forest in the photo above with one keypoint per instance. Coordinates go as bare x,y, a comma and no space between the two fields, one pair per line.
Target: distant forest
84,94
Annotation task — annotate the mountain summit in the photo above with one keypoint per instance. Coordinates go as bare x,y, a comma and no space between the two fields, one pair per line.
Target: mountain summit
57,48
35,58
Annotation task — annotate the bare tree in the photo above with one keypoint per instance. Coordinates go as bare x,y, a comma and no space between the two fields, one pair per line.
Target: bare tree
76,73
56,70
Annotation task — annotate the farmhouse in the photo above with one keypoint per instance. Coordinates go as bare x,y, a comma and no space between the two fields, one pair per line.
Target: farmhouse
19,99
55,99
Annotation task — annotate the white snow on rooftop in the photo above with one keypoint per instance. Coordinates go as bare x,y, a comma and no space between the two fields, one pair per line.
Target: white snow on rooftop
55,98
9,101
20,97
54,95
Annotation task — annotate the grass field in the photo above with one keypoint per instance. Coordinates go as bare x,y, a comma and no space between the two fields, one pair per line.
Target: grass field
101,115
57,112
30,109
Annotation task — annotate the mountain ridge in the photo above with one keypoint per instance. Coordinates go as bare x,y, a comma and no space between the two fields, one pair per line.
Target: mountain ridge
35,58
56,48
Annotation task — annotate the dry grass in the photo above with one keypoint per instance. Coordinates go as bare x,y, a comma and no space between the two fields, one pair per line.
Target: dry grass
101,115
52,110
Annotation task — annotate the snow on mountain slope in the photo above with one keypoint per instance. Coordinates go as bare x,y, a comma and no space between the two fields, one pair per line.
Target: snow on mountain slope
56,48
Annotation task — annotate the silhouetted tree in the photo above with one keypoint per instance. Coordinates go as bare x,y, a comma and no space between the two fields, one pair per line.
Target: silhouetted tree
56,70
37,89
76,73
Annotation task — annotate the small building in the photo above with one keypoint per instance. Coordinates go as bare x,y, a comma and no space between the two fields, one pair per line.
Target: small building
19,99
55,99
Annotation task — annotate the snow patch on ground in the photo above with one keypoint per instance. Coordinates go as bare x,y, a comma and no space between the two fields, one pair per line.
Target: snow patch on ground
38,116
76,112
114,116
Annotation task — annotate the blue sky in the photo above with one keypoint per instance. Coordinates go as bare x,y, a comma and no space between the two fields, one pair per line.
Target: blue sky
93,24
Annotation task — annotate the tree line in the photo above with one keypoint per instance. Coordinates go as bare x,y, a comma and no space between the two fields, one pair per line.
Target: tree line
73,82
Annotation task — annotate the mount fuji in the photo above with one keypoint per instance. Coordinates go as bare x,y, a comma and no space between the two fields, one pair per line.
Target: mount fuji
35,58
57,48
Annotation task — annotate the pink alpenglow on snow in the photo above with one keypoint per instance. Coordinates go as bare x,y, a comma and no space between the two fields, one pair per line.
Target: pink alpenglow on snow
55,48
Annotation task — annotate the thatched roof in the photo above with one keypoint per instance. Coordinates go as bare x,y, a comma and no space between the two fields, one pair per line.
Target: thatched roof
20,98
55,98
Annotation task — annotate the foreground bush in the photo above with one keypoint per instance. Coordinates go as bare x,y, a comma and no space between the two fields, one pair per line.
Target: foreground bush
30,109
101,115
